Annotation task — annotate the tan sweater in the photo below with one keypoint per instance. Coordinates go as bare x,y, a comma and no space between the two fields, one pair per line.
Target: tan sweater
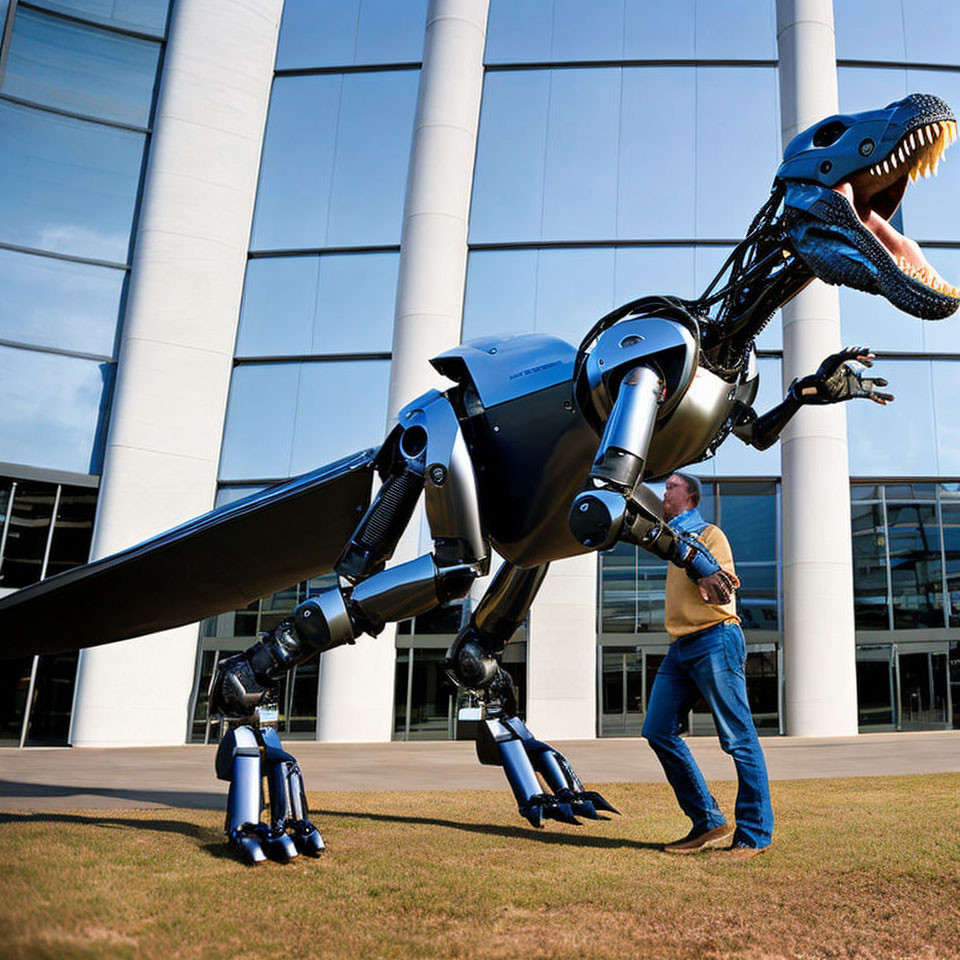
686,611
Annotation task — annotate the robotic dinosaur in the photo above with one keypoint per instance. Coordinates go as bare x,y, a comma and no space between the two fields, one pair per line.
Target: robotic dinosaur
537,450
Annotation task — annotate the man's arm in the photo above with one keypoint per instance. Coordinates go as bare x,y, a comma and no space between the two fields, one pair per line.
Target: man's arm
718,587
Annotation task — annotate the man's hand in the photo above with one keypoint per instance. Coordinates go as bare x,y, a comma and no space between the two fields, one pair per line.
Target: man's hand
840,377
718,587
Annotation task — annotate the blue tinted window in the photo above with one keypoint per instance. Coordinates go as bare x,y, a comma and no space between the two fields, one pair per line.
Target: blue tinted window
278,416
654,31
897,440
574,289
501,293
738,150
356,393
297,166
867,88
931,28
580,179
540,31
258,433
373,154
874,322
519,30
870,30
315,33
355,303
67,185
929,207
587,31
641,271
735,30
748,516
335,160
55,303
391,32
81,69
508,178
564,291
946,395
657,148
941,336
279,301
146,16
295,306
321,33
54,427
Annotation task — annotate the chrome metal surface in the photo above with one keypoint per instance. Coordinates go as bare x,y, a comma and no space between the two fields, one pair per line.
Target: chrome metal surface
693,425
450,491
399,592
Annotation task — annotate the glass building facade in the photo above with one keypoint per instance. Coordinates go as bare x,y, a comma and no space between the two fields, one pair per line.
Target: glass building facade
623,148
78,82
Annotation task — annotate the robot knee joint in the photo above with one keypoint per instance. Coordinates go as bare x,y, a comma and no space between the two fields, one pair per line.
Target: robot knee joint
471,662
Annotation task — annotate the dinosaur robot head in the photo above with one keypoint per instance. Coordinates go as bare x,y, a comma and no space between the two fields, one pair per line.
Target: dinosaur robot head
843,179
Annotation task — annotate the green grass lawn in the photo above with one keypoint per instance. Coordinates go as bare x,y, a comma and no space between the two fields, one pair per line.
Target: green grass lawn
859,868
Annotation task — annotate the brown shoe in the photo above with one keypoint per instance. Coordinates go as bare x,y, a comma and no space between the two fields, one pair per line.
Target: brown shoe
739,851
693,843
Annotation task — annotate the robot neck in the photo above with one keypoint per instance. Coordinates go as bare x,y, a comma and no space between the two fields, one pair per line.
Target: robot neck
760,276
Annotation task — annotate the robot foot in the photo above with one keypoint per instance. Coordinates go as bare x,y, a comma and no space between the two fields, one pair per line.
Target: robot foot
307,838
529,765
248,840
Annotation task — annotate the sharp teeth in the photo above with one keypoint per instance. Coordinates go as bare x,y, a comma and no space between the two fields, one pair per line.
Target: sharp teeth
902,155
886,167
913,143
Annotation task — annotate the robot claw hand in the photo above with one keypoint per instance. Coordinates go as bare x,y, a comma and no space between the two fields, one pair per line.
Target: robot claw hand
840,377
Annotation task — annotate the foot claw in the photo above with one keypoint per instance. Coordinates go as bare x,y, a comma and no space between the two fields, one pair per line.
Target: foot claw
598,802
308,839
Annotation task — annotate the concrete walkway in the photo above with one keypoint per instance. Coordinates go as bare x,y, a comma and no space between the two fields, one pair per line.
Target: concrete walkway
70,779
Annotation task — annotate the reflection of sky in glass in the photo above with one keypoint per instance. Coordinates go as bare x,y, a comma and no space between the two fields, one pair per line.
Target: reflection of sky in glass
322,33
279,416
896,440
50,410
145,16
335,160
67,185
611,153
54,303
541,31
80,69
336,303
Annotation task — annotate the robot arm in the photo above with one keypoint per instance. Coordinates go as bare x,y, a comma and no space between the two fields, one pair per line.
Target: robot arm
839,378
620,507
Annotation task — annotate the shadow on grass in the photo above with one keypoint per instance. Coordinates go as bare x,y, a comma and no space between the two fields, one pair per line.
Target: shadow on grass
193,831
520,833
184,799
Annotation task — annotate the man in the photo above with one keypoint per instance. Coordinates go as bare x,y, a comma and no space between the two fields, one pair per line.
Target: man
706,657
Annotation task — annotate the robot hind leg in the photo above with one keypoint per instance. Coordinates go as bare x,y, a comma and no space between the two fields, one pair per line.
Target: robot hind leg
238,761
289,826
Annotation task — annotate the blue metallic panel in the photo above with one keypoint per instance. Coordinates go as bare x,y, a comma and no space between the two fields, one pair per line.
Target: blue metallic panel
504,368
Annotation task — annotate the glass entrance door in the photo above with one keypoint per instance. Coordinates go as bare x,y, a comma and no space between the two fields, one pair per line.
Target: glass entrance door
624,692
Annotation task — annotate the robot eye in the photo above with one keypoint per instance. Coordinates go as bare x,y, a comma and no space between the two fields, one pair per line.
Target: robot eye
829,134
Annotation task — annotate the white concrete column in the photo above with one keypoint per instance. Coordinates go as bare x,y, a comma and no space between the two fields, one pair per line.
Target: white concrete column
163,445
356,683
562,652
819,645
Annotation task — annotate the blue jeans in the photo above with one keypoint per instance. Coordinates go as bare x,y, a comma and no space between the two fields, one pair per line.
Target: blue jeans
710,663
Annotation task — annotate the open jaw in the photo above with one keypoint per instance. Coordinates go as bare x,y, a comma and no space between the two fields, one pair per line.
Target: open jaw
875,193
